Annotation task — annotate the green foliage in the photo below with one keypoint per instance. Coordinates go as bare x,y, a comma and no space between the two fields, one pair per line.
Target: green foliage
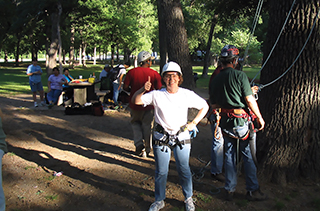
205,199
51,197
279,205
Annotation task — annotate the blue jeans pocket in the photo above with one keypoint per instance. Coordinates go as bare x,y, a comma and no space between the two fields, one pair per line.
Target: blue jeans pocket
241,131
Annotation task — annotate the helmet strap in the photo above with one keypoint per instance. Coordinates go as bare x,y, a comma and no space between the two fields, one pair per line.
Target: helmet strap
235,62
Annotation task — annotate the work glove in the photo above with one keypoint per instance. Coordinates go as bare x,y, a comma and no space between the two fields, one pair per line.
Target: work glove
193,133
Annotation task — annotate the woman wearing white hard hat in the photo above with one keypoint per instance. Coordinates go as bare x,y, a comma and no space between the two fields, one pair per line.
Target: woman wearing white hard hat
172,132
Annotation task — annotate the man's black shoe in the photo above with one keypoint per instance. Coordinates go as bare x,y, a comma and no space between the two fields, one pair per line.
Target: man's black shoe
220,177
256,195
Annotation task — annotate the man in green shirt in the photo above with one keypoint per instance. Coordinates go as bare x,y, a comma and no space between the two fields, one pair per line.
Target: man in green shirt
230,92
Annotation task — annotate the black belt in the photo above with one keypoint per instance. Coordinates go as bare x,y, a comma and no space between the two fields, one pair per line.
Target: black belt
161,143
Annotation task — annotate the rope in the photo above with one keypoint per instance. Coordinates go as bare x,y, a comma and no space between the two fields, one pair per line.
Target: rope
254,24
285,22
314,24
198,175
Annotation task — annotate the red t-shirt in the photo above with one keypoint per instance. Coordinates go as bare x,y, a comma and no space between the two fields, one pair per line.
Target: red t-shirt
136,78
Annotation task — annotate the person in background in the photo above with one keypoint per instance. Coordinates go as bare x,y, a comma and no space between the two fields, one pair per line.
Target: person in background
141,116
66,88
55,82
105,71
3,150
172,131
34,72
67,75
230,92
118,82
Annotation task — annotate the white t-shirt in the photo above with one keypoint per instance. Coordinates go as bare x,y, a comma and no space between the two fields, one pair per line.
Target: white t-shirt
171,110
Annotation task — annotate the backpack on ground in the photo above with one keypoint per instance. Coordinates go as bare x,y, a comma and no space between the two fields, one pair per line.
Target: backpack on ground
114,73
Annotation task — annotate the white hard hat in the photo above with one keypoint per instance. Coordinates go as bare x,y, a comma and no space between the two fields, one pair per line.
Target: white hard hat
171,67
143,56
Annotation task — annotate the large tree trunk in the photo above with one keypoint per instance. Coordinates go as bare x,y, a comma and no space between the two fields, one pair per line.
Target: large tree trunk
177,42
54,42
162,36
290,144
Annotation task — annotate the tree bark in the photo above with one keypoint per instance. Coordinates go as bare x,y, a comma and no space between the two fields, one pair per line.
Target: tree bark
71,55
289,146
54,42
162,36
59,36
18,50
177,42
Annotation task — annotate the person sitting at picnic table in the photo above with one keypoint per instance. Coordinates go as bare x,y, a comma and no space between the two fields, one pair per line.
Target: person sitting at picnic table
68,91
55,82
67,75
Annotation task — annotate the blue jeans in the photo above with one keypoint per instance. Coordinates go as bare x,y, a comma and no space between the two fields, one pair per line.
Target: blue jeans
217,151
231,157
116,92
2,198
53,95
162,159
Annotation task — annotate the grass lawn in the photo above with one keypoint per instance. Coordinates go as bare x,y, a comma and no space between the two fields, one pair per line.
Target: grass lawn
13,80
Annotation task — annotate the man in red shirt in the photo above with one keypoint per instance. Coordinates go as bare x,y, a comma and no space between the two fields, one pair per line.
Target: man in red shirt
142,117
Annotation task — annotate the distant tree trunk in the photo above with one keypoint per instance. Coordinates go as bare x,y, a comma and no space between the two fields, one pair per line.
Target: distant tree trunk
80,55
59,36
208,53
54,42
177,42
289,146
112,55
71,54
162,36
6,56
84,45
95,55
18,50
118,58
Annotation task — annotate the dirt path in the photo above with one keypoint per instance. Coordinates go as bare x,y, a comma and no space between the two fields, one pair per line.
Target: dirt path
100,171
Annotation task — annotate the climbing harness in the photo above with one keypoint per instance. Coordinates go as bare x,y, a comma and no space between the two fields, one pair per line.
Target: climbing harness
162,138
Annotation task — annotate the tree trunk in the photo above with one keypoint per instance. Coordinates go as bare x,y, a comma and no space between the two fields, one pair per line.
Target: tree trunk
162,36
290,144
80,55
177,42
84,45
59,36
18,50
71,54
95,55
112,55
54,42
208,54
